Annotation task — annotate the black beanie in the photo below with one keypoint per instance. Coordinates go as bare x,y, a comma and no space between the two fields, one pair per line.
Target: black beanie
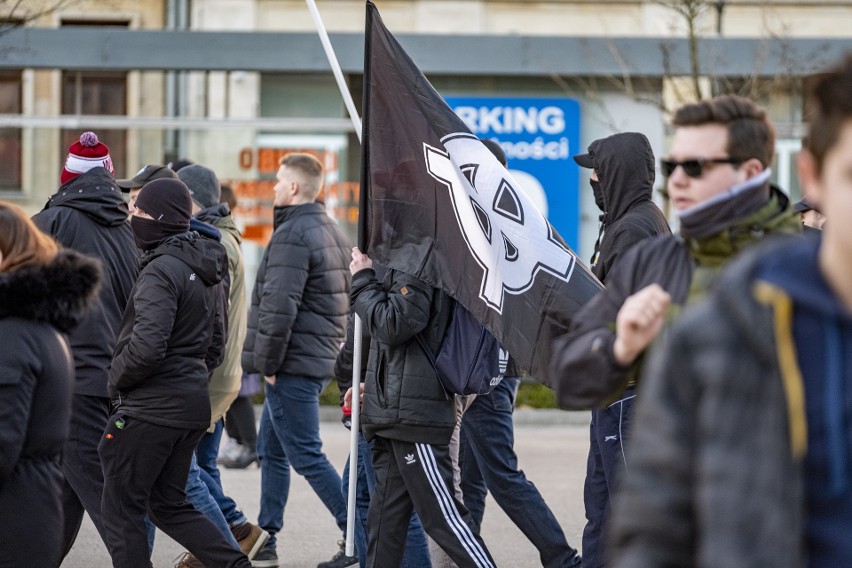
168,202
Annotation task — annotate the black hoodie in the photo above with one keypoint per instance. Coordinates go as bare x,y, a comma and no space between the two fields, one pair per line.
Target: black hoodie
171,334
625,166
89,215
37,304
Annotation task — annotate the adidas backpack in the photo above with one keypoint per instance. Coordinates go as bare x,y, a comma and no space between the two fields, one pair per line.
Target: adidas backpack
470,360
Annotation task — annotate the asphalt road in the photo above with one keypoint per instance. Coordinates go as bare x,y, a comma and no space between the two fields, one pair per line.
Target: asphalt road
551,446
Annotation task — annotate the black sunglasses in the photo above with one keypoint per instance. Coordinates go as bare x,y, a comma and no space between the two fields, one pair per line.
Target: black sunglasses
694,168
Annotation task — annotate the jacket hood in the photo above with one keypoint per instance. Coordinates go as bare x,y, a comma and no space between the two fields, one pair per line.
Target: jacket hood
204,256
625,166
96,194
220,217
769,262
213,215
60,293
805,285
205,229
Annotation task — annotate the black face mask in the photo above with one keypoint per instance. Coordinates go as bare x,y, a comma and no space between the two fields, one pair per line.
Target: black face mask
598,191
149,233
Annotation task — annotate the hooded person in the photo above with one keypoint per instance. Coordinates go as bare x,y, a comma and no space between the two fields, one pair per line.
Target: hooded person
622,181
623,184
89,215
171,335
214,219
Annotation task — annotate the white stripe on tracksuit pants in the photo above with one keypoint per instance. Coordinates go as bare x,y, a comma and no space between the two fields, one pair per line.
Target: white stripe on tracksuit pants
419,476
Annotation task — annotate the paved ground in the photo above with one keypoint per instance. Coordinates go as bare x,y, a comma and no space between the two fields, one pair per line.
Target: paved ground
551,446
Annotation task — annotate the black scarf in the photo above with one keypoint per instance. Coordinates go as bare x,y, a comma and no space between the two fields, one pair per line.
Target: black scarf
149,233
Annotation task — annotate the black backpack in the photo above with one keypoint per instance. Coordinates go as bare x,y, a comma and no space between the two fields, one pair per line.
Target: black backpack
470,360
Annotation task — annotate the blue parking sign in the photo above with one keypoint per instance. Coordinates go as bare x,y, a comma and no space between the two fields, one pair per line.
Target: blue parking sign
539,137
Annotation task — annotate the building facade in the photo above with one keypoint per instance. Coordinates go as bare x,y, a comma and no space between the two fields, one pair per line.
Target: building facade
235,84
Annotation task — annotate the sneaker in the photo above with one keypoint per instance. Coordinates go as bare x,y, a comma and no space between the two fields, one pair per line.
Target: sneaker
251,538
229,451
266,558
241,460
339,560
187,560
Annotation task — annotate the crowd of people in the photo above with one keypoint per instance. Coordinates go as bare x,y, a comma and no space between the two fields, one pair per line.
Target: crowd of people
717,362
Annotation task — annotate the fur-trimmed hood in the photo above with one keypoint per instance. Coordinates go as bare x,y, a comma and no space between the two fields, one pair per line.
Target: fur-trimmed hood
60,293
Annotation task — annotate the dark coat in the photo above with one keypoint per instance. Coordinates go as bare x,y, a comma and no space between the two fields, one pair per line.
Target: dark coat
171,334
582,358
716,476
625,166
37,306
403,399
88,214
300,301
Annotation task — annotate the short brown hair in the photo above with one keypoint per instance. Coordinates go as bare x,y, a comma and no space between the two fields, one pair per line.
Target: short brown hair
831,101
21,242
311,171
227,195
750,134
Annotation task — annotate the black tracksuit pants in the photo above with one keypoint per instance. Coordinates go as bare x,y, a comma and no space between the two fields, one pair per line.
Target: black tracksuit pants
418,476
145,470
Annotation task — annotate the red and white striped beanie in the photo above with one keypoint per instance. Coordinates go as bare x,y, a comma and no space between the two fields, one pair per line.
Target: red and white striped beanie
85,154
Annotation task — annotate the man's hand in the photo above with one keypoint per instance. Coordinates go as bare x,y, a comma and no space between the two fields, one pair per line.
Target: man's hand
270,379
347,398
360,261
638,322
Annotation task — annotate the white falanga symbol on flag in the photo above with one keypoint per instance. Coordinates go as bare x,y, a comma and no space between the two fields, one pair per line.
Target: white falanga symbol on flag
509,237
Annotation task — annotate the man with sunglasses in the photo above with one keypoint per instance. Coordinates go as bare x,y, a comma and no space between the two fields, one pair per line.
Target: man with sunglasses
718,182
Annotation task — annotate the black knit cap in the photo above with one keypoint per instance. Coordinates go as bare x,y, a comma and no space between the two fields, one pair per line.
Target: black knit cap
167,201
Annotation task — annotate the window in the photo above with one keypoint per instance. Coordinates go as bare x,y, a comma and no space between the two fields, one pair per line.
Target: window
11,84
96,93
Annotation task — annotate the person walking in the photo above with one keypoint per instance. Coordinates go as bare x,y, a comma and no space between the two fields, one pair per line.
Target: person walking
409,418
622,181
741,451
45,292
172,333
88,214
296,324
718,181
488,462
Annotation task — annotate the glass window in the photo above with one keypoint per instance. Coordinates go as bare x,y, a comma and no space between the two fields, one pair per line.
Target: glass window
96,93
11,84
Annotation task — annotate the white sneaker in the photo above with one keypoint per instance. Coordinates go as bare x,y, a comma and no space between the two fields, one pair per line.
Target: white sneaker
229,451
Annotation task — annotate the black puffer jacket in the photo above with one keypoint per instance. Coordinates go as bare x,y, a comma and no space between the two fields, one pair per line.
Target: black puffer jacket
171,334
403,399
89,215
625,166
300,301
37,305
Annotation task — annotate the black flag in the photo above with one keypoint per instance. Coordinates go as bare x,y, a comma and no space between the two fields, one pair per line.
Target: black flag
436,204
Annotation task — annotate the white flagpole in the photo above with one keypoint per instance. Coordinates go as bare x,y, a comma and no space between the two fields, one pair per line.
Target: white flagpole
356,356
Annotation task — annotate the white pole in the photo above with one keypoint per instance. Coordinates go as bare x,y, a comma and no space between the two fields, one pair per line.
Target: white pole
356,356
335,68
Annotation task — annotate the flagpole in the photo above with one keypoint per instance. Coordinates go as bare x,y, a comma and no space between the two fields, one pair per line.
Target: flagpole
358,343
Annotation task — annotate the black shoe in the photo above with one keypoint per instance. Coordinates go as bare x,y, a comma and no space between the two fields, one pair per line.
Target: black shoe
339,560
266,558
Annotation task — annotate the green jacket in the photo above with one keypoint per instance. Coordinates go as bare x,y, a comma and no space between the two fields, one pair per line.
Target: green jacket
225,382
